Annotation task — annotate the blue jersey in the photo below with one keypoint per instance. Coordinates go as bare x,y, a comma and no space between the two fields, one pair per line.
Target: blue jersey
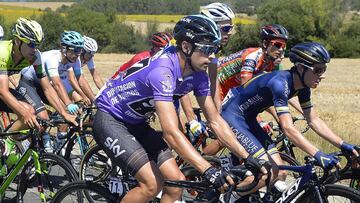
130,96
263,91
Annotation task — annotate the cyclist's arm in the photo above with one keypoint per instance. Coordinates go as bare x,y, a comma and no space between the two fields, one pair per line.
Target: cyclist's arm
217,96
8,98
320,127
294,135
187,107
74,83
13,81
175,138
220,127
60,89
294,102
97,79
52,96
85,87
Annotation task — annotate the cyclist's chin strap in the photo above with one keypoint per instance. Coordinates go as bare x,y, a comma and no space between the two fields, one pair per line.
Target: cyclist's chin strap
302,76
188,57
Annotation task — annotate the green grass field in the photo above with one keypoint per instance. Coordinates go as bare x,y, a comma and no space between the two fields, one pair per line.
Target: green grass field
11,13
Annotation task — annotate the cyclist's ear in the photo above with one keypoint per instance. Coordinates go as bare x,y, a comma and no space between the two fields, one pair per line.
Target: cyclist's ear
186,47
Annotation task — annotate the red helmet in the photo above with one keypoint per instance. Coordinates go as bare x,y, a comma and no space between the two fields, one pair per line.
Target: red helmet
160,39
274,31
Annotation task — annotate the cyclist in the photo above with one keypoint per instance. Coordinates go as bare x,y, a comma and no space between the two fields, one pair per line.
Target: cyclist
87,57
244,103
222,15
149,86
1,33
15,55
158,40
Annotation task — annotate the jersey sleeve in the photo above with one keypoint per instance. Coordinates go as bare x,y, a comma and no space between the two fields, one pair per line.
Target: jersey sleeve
51,67
38,65
248,68
202,84
162,82
90,64
304,97
280,93
77,68
3,66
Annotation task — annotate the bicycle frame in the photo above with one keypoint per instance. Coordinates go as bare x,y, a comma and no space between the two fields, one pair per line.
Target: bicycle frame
39,169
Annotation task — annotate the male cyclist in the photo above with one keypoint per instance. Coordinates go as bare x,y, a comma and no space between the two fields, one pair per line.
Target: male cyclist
150,86
1,33
15,55
158,41
87,57
244,103
222,15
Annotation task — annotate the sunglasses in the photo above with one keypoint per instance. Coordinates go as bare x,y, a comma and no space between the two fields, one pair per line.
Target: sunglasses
32,45
76,50
226,28
315,70
278,45
207,49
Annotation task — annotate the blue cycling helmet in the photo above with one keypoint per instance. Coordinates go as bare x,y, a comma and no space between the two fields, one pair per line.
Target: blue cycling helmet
309,53
195,29
72,39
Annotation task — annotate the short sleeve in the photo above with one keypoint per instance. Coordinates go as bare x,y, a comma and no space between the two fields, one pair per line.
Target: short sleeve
90,64
77,67
162,82
280,92
304,97
38,65
51,67
201,84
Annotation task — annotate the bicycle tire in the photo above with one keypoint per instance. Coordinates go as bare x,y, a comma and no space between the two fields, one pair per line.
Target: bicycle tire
59,171
350,177
331,190
80,187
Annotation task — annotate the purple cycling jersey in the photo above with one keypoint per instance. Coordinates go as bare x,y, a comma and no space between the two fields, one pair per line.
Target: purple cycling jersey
130,96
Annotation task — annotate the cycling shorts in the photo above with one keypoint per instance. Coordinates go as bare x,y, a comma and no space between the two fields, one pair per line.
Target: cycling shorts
129,146
33,94
250,135
4,107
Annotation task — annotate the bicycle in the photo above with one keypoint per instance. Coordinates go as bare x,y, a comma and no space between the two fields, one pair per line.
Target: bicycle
78,140
209,193
51,171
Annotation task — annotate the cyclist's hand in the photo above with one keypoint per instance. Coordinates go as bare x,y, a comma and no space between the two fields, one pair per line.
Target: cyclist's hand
219,178
87,101
73,108
266,127
252,163
349,148
71,118
327,161
30,120
197,128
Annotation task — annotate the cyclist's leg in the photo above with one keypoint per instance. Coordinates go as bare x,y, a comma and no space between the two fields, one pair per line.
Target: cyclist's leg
212,148
160,153
124,149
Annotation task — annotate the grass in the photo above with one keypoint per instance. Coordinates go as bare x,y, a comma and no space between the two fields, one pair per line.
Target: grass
11,13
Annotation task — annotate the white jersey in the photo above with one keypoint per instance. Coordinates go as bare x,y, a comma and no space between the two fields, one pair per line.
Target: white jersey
52,63
90,64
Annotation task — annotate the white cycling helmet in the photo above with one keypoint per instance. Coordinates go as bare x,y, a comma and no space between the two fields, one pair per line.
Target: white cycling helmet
90,44
218,12
1,32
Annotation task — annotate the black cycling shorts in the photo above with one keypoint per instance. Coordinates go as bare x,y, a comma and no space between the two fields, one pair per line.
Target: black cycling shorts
4,107
33,94
129,146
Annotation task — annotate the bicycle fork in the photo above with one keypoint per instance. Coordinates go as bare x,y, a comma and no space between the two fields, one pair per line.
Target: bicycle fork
41,169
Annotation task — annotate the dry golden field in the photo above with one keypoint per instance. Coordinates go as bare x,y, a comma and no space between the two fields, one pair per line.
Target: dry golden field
37,5
336,100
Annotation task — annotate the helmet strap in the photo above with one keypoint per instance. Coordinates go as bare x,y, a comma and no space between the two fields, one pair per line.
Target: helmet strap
188,57
301,76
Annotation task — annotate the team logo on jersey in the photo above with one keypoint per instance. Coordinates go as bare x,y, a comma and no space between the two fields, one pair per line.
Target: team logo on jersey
250,63
167,86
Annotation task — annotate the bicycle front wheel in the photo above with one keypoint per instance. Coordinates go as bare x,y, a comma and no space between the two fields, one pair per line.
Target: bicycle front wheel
70,193
333,194
56,172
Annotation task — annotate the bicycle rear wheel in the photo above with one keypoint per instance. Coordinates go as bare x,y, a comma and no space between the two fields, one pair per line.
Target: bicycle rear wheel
333,194
57,172
70,193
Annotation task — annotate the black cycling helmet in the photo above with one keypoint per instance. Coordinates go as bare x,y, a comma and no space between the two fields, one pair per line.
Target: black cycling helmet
275,31
195,29
309,53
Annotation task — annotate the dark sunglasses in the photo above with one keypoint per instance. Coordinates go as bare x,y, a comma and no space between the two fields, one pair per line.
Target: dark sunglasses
315,70
76,50
226,28
32,45
207,49
278,45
